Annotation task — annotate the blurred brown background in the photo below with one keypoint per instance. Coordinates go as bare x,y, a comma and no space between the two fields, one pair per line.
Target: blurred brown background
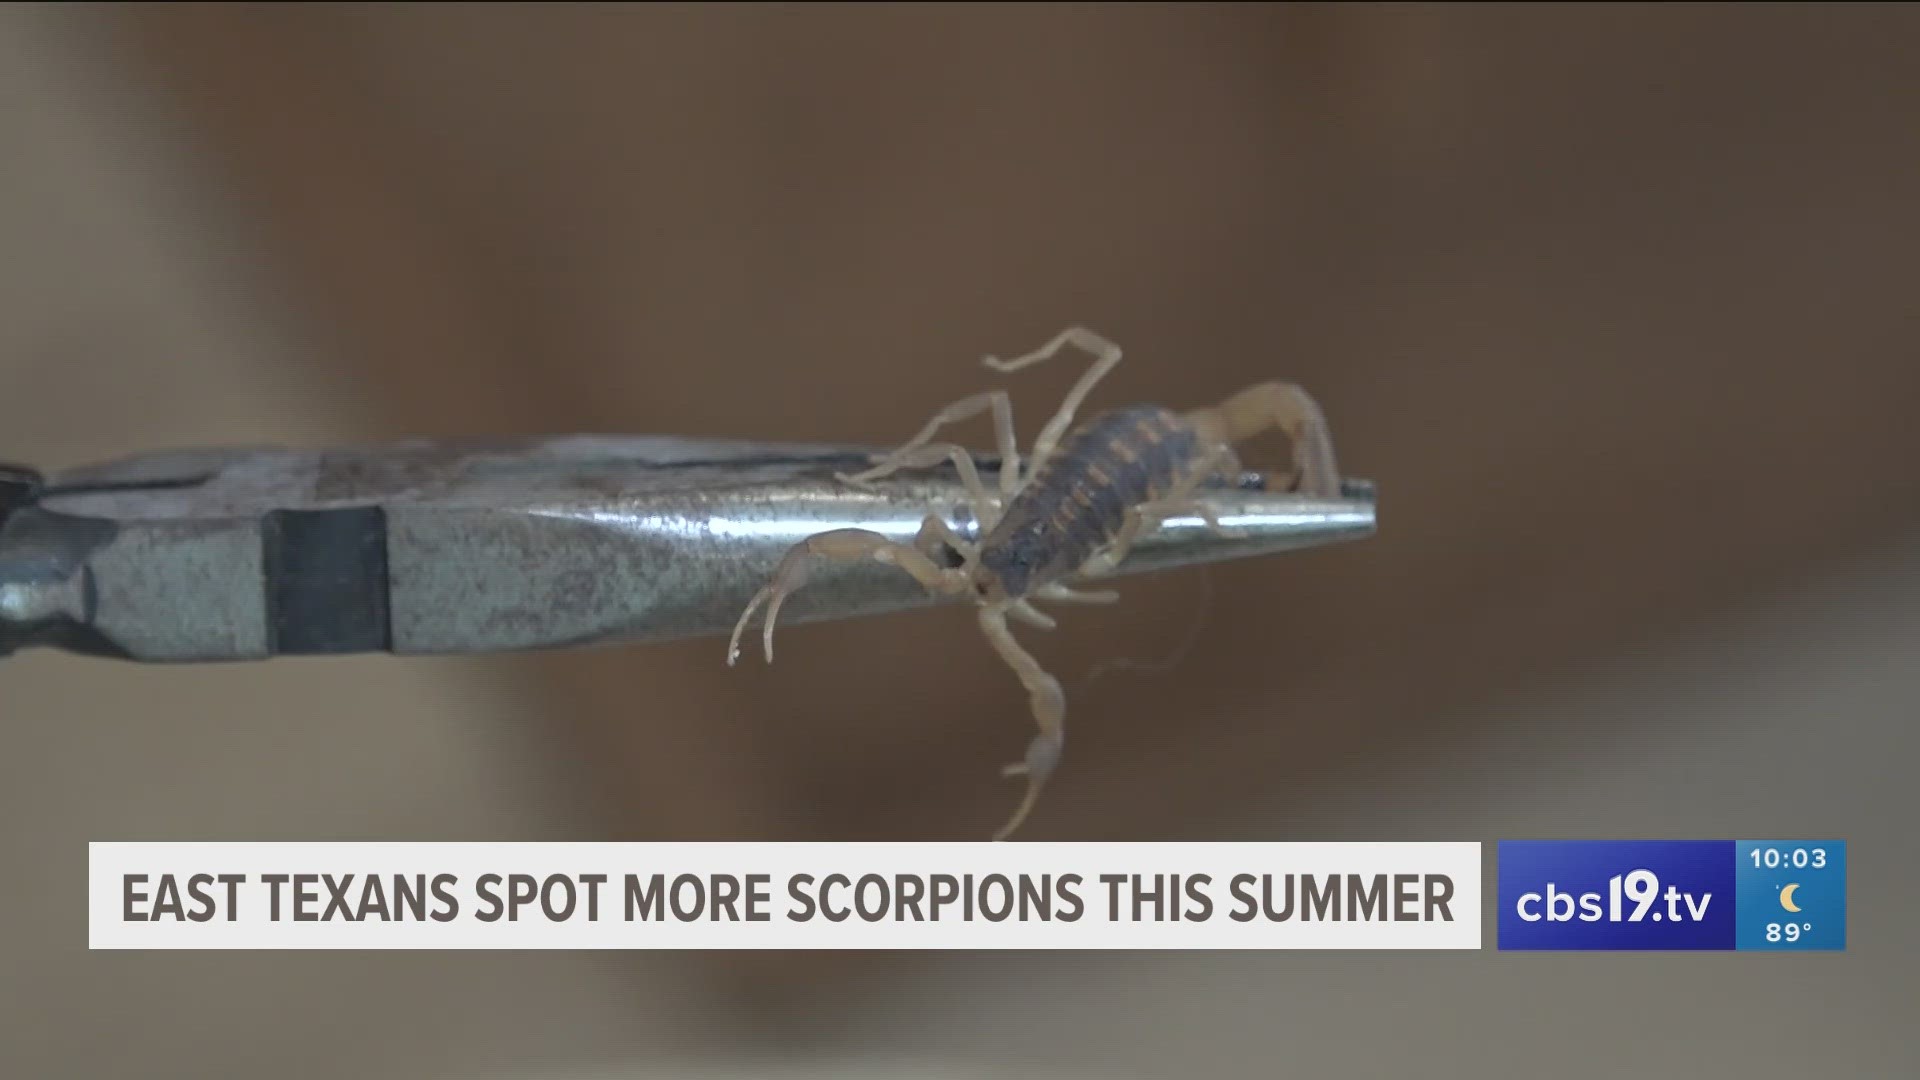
1614,303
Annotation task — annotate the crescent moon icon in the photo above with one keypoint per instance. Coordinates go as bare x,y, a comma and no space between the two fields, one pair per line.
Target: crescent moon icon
1786,896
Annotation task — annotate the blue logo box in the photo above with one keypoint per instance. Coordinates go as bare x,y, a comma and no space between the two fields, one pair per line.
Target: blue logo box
1778,895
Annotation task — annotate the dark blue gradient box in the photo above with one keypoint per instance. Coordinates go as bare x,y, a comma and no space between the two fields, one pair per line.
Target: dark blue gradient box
1616,895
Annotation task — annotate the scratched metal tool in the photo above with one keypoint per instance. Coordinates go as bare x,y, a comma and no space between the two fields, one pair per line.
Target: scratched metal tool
441,548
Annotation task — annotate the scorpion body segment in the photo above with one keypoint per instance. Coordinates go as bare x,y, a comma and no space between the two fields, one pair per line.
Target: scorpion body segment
1076,504
1073,512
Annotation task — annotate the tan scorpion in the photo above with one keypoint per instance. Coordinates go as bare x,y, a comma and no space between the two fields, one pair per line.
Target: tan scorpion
1071,514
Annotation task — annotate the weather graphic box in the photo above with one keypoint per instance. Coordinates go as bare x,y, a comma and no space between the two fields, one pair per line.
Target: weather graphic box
1604,895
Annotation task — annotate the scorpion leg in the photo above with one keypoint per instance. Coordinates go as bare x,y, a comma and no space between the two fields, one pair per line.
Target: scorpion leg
1066,595
1032,616
986,508
851,545
1140,519
1148,515
1049,705
1285,406
935,534
964,409
1105,353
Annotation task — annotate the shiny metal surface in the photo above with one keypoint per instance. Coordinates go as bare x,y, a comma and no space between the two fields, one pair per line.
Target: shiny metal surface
435,548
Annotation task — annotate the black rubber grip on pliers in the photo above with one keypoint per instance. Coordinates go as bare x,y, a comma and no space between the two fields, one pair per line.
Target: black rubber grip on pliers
19,486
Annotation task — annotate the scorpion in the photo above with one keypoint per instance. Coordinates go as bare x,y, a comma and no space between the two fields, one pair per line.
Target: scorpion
1071,514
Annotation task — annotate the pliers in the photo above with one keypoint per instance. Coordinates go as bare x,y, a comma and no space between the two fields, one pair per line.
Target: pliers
421,548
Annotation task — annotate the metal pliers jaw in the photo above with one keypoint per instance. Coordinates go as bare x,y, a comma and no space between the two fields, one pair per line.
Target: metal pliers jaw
438,548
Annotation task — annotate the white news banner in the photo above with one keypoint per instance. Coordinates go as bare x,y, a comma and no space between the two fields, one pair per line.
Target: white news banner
784,896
